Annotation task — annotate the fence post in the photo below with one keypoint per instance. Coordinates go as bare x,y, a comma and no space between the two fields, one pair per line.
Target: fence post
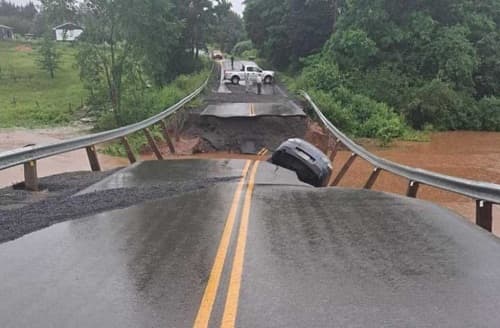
128,149
167,137
484,214
93,160
344,170
373,177
153,144
30,176
412,189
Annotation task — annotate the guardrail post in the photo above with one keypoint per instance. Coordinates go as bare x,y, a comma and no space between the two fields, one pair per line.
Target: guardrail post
373,177
412,189
30,176
344,170
128,149
153,144
484,214
167,137
335,150
93,160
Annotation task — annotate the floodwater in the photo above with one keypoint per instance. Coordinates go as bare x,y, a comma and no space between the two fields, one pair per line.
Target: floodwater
470,155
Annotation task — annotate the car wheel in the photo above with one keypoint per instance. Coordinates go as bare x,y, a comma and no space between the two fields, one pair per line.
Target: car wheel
268,80
235,80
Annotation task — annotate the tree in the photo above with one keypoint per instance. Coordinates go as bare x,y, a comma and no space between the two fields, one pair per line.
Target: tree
229,31
284,31
104,52
48,56
59,11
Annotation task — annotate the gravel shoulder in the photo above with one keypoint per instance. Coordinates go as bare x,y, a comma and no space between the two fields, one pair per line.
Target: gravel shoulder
23,212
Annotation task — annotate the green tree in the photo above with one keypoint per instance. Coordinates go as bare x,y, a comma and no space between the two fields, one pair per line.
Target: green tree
228,31
104,52
48,56
59,11
286,30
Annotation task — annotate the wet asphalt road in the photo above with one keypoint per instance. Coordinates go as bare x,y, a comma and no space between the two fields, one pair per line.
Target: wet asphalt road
263,251
249,110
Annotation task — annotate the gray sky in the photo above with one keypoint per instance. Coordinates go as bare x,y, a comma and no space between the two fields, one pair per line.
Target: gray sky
237,4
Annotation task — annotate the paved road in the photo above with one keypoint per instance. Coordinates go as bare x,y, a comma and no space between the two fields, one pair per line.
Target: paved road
262,250
253,110
240,102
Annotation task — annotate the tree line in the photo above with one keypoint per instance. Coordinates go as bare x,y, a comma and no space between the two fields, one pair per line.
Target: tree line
423,63
21,18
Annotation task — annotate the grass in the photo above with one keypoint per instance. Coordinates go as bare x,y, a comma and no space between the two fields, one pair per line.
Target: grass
28,96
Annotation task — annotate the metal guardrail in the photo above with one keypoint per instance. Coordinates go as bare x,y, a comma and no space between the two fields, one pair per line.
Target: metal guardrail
485,194
29,155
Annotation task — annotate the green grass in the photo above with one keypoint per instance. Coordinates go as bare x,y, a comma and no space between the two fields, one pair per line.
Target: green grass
28,96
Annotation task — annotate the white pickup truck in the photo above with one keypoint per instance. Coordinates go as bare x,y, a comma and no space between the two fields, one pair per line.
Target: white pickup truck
252,70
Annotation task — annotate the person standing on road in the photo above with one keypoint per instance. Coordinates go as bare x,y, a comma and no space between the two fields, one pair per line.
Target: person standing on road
247,82
259,84
232,62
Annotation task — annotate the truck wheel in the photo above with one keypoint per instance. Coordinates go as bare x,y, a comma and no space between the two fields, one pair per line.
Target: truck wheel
268,80
235,80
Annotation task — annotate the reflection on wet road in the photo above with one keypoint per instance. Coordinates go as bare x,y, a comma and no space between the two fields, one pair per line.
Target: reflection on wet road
261,251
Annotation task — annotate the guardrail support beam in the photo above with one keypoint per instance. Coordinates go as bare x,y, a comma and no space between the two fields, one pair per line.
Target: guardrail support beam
344,170
30,176
93,160
484,215
373,177
412,189
153,144
167,137
128,149
334,150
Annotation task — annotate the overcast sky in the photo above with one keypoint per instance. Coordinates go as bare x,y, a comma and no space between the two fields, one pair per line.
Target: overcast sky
237,4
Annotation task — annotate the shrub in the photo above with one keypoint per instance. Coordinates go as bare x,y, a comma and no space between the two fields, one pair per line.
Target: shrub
438,104
489,109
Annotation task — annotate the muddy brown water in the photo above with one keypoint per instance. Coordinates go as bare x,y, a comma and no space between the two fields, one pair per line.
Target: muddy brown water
471,155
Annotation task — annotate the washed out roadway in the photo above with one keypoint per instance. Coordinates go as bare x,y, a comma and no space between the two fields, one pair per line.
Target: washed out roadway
260,251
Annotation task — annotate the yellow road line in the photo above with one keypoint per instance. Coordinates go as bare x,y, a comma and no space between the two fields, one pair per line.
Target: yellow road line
208,300
233,293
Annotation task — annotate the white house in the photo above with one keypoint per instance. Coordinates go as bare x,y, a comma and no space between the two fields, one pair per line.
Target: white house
67,32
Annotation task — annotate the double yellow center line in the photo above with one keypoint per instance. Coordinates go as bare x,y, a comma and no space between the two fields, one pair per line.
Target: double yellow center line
210,294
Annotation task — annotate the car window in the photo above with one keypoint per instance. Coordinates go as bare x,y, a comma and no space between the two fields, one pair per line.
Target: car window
251,69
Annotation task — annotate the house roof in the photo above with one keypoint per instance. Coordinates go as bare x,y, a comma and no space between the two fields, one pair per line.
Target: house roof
6,27
68,24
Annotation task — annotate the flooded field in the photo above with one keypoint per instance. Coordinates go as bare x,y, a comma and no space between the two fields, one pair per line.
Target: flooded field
470,155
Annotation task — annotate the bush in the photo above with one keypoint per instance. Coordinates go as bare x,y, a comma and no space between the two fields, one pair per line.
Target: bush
489,109
438,104
359,115
320,75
